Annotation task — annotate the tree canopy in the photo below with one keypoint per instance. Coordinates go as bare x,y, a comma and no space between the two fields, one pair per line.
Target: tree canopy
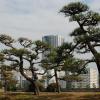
23,55
87,35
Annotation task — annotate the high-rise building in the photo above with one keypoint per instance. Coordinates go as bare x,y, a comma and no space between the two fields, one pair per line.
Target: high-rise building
54,41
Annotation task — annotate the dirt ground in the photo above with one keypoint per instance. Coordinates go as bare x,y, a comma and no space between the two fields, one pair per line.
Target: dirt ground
52,96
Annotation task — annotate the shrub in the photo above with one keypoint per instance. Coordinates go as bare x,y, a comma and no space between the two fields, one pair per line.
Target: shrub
11,87
40,86
52,87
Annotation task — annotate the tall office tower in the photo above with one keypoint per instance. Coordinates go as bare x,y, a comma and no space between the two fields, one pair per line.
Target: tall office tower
54,41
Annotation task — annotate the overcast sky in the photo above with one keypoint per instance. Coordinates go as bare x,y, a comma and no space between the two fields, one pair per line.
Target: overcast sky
36,18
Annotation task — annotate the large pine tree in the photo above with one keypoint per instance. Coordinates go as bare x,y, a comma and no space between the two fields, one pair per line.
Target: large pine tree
87,35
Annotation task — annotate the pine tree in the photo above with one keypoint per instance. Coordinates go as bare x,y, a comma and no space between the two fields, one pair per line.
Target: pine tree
87,35
23,57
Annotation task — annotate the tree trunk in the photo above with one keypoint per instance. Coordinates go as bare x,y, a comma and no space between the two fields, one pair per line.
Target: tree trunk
97,58
35,78
33,82
98,67
5,86
36,89
57,83
67,84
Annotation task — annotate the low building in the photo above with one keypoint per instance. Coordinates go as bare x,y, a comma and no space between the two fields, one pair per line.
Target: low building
89,80
22,83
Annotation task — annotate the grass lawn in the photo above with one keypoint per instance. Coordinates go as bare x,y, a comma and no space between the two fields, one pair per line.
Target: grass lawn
52,96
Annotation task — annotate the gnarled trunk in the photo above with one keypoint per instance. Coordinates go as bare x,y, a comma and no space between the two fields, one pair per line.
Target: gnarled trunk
97,59
33,82
57,83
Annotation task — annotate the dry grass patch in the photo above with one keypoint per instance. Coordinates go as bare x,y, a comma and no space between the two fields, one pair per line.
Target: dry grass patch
52,96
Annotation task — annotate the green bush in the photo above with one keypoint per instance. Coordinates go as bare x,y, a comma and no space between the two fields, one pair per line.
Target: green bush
39,84
52,87
11,87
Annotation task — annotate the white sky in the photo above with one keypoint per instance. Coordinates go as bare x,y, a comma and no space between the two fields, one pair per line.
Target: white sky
35,18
